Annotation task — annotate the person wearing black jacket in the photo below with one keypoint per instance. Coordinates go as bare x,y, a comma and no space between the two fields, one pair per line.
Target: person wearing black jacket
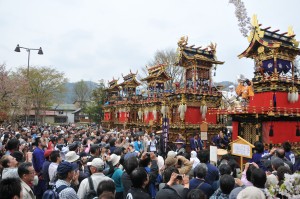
129,166
139,180
169,191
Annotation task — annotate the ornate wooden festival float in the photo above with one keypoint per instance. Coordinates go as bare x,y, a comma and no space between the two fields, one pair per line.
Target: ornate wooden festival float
271,114
181,109
267,108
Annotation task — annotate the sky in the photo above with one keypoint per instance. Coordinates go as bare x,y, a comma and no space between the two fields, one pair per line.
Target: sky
96,39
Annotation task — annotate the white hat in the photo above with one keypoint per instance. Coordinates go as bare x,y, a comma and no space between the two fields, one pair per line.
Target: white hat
251,192
172,154
71,156
96,162
115,159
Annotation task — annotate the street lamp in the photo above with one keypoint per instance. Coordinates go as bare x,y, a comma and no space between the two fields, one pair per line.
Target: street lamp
40,52
18,49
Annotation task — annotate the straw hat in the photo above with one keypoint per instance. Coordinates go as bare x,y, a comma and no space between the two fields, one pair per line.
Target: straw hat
222,152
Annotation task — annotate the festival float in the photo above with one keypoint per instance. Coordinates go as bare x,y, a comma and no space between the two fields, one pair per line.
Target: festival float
181,109
265,108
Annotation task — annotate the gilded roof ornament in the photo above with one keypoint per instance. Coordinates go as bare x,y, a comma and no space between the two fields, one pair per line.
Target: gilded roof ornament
254,21
260,50
183,41
256,31
292,34
213,47
290,31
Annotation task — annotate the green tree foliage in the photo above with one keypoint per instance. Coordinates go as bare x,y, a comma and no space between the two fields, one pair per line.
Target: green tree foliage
44,84
82,93
94,109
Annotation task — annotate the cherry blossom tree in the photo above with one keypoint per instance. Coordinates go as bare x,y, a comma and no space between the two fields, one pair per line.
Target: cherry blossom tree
13,91
242,16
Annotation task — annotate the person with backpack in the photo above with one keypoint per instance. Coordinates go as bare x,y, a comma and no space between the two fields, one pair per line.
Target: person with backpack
65,174
88,185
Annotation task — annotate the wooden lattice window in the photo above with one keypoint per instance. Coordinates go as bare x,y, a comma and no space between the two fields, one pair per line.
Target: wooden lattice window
248,132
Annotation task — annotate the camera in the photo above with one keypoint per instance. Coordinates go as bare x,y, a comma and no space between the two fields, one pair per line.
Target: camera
179,177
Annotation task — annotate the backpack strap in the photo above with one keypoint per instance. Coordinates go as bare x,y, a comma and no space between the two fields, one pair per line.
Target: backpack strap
199,185
91,183
60,188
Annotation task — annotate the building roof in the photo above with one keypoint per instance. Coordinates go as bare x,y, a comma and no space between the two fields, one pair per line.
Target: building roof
76,111
43,113
130,80
157,73
64,107
207,54
263,39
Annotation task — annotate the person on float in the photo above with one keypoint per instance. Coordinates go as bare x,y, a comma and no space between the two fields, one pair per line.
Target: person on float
245,91
179,148
180,138
196,143
221,140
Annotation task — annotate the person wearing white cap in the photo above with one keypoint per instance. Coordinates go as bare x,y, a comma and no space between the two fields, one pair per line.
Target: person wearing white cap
116,176
96,168
231,94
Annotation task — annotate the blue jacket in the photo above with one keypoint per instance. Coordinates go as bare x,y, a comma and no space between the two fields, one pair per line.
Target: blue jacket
38,159
212,174
221,142
193,144
205,187
256,157
290,156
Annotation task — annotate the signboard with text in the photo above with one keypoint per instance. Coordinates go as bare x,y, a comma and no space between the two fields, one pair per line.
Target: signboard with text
241,147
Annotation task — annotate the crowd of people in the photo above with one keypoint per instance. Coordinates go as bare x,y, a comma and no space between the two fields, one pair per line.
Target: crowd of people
71,162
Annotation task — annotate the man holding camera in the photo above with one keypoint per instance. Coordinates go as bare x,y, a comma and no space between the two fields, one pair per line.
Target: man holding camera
176,186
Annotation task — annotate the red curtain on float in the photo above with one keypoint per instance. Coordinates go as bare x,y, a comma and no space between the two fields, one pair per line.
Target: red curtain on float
283,131
149,118
123,117
193,116
106,116
263,100
235,130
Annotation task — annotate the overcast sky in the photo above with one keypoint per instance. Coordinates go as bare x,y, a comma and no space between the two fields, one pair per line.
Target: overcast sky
95,39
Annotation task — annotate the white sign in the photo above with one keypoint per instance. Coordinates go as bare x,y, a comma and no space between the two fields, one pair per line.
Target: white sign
241,150
213,154
203,135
